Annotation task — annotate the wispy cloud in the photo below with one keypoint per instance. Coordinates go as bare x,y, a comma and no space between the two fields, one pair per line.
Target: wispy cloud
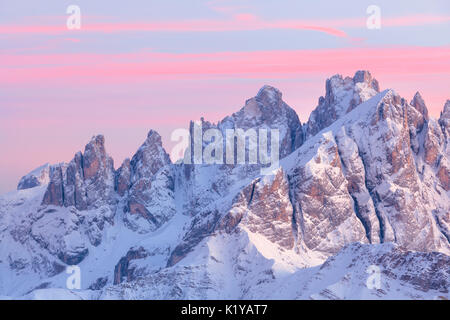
237,22
134,66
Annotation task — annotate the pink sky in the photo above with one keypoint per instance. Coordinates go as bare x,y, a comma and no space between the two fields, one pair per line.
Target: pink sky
121,77
113,93
235,22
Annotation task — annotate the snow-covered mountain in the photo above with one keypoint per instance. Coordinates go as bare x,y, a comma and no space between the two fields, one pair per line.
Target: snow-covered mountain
364,185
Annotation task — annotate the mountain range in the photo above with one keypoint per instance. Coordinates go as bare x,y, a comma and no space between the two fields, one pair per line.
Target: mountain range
363,184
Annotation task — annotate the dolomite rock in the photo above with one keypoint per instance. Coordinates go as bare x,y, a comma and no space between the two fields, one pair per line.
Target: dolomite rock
122,269
342,95
402,203
264,208
364,182
323,206
123,178
86,182
355,174
268,110
151,200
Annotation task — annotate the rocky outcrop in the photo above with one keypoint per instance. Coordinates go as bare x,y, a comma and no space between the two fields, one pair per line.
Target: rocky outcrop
324,213
342,95
264,208
355,174
444,119
86,182
122,180
419,104
443,172
401,200
150,201
122,271
268,110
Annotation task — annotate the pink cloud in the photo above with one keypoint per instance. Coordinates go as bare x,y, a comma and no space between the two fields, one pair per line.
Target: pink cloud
238,22
57,102
131,67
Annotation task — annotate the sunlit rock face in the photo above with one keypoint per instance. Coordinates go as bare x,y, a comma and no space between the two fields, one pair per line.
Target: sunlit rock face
86,182
342,95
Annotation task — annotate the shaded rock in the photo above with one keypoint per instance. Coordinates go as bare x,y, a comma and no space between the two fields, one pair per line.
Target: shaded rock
151,195
123,178
37,177
86,182
122,271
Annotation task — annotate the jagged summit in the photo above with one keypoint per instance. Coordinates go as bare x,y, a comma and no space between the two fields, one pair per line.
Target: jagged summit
366,181
364,76
342,95
269,95
418,103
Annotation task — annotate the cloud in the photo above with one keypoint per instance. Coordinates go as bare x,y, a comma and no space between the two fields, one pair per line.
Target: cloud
237,22
130,67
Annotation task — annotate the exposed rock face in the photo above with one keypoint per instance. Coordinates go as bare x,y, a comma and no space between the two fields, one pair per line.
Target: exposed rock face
37,177
402,201
342,95
444,162
323,206
122,270
202,226
418,103
355,174
98,170
151,193
434,139
123,178
264,208
86,182
444,119
268,110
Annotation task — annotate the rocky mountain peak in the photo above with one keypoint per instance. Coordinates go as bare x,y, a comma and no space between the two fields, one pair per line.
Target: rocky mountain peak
444,121
269,95
341,96
419,104
150,157
149,178
446,112
95,159
153,138
85,182
365,77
